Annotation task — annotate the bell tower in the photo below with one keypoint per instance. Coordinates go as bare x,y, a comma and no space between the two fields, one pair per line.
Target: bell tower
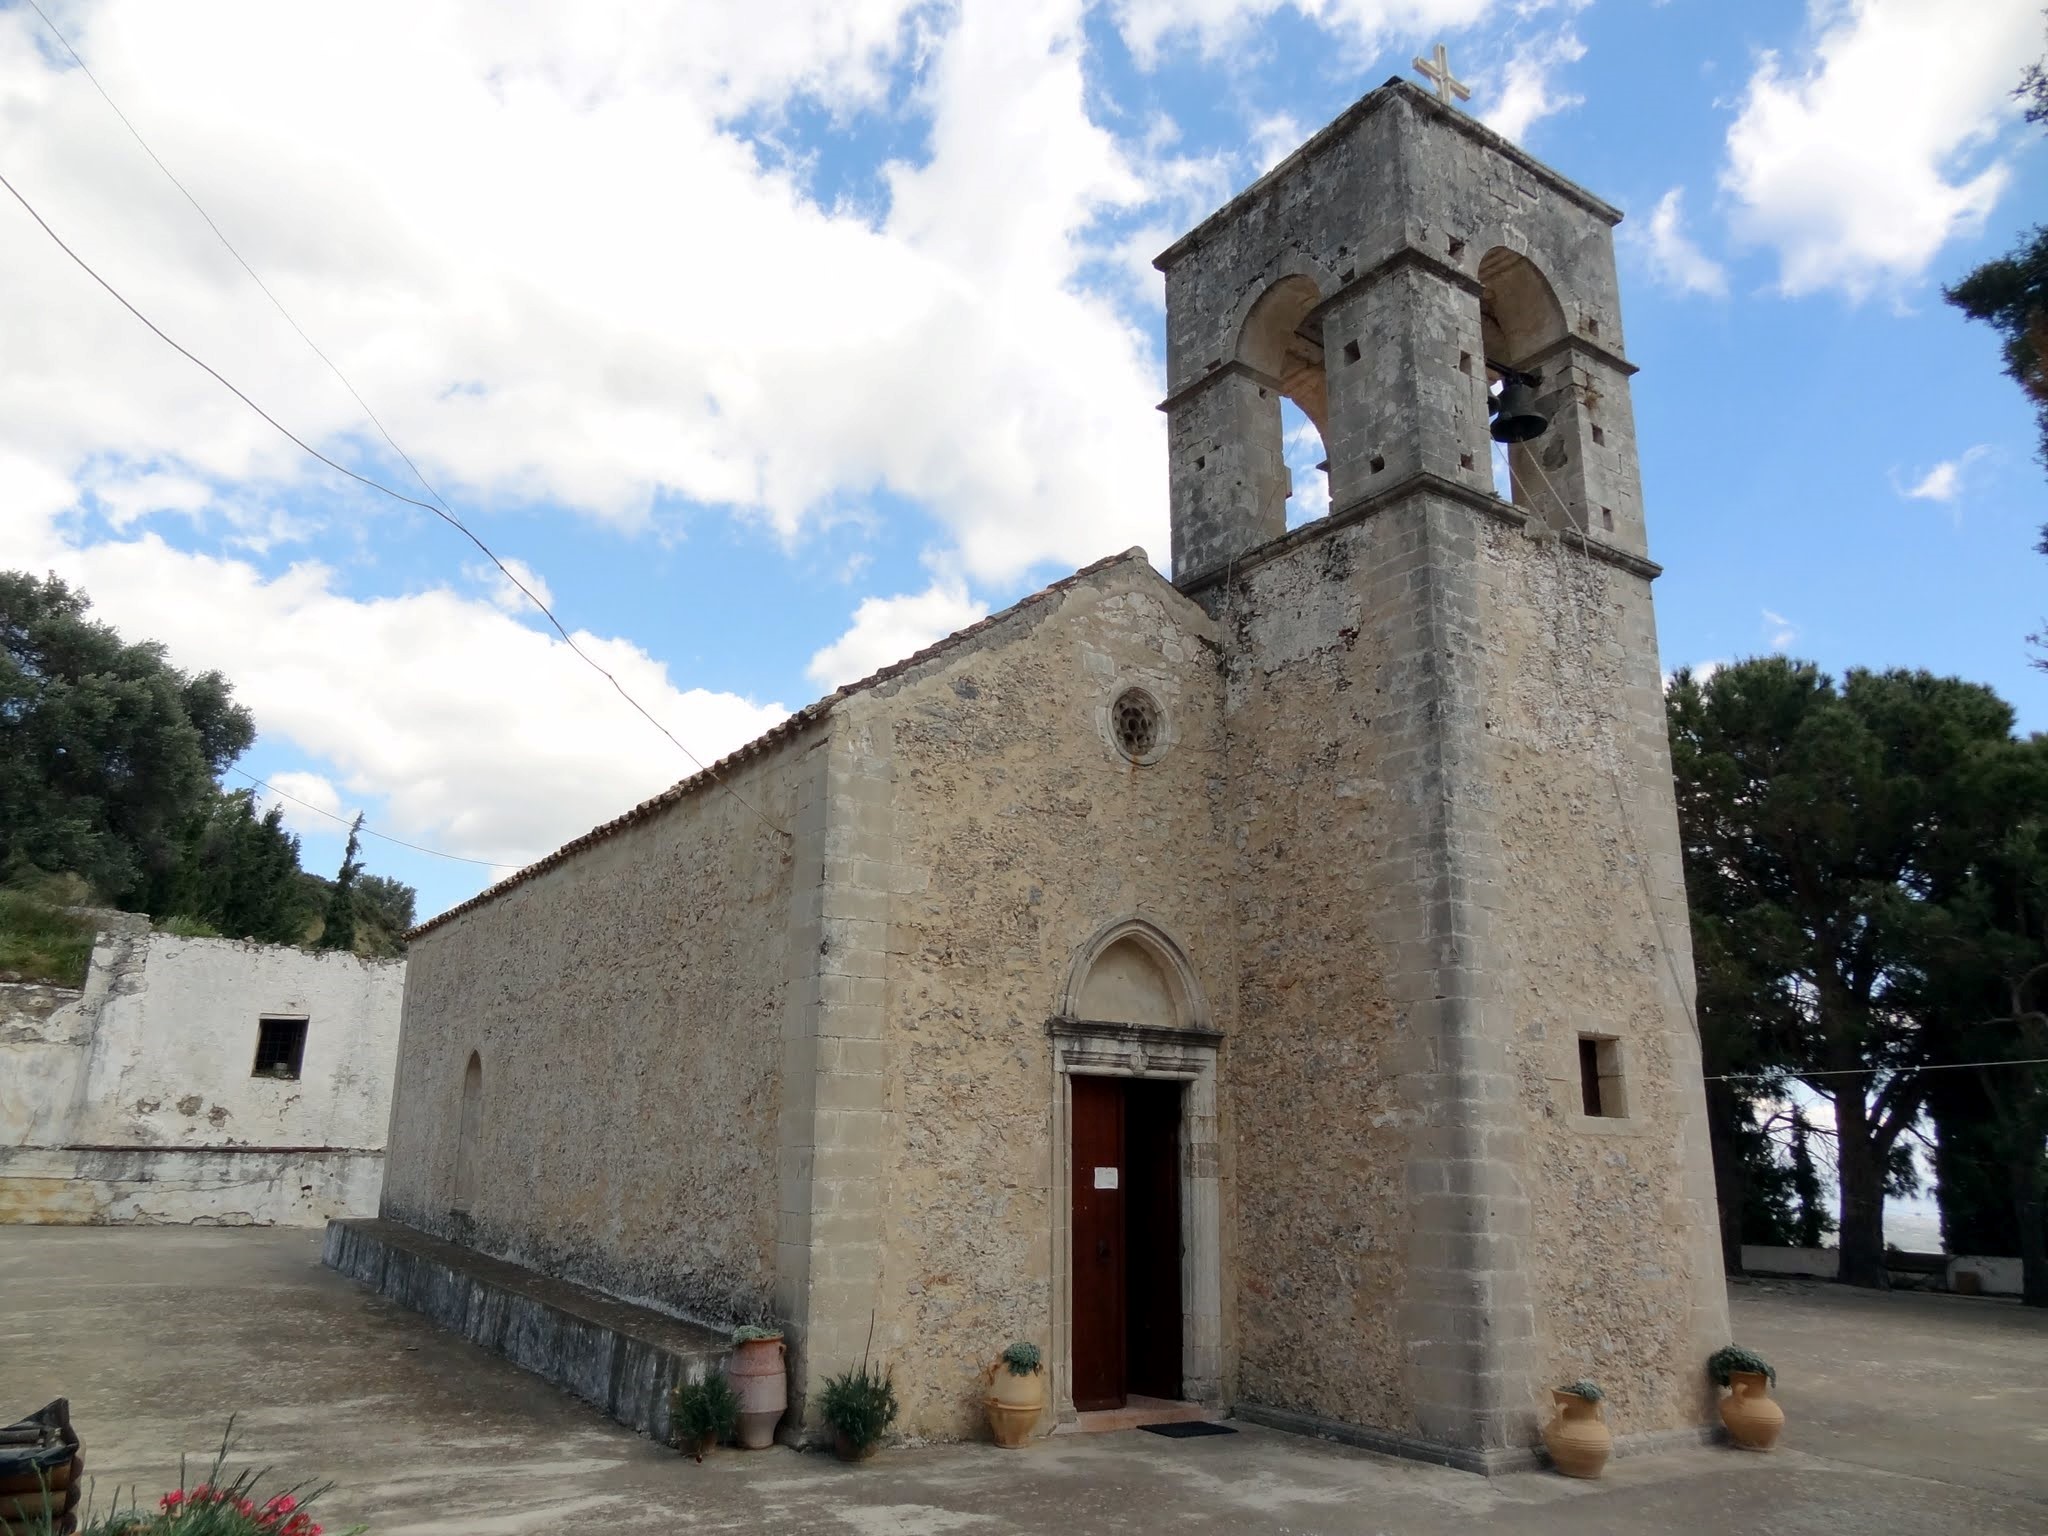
1459,881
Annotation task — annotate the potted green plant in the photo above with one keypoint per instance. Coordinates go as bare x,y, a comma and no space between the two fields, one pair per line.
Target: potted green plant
1016,1393
859,1404
704,1413
1577,1436
1752,1419
760,1373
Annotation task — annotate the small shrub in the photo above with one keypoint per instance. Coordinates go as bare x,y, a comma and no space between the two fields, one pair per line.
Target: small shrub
754,1333
1589,1390
1021,1357
704,1412
182,927
859,1404
1727,1360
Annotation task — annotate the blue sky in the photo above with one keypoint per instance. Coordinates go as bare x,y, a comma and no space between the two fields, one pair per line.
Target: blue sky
778,340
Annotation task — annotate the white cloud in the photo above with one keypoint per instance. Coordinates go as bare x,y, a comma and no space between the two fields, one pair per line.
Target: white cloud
1858,161
302,798
505,596
1944,482
484,736
1274,138
887,629
1215,26
1670,252
543,251
1779,631
1527,90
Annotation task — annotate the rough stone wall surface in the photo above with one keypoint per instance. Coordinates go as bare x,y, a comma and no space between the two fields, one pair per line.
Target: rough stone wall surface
170,1186
1592,936
1319,804
1019,832
627,1008
44,1036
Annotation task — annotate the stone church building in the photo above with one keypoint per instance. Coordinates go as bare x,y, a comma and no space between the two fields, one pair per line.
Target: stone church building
1268,988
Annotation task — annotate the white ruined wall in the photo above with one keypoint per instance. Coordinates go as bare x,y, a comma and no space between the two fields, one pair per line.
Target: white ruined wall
135,1100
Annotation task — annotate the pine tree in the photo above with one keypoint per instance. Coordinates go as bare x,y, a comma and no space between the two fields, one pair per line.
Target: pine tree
340,929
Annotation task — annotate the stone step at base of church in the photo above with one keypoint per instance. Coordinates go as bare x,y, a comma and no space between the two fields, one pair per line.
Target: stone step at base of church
623,1359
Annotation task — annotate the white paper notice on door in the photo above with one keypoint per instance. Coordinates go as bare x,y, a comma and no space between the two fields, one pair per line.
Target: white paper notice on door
1105,1178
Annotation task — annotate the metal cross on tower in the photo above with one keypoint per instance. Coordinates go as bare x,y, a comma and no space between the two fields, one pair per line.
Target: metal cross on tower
1437,69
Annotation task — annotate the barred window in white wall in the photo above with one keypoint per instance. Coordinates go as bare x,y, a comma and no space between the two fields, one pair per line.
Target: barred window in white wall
280,1048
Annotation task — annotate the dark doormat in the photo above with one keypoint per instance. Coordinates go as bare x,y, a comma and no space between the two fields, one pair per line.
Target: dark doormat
1187,1431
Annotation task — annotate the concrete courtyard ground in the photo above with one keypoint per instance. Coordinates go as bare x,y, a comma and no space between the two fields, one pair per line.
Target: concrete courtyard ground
1909,1414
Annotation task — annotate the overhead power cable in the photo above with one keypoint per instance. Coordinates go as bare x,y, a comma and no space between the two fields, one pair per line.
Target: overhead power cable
349,821
438,505
1934,1066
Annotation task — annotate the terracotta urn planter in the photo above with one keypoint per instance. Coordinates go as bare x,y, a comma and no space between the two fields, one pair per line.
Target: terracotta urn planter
1014,1402
760,1377
1752,1417
1577,1437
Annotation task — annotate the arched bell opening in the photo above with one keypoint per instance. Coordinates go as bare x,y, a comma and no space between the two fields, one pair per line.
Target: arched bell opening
1520,319
1284,346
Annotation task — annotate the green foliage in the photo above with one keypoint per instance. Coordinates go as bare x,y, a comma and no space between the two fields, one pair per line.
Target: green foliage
236,873
1826,830
1589,1390
1730,1358
339,929
1021,1357
2009,293
706,1411
859,1404
754,1333
186,928
105,748
385,908
42,943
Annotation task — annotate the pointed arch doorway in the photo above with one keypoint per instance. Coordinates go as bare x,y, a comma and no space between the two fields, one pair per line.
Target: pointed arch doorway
1137,1245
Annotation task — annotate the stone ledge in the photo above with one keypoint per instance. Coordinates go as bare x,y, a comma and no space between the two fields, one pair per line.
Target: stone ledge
1489,1463
622,1358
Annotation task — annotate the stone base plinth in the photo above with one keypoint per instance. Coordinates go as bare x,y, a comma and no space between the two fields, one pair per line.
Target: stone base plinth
624,1359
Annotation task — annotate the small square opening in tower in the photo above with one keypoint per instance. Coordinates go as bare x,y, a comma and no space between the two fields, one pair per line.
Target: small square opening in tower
1601,1092
280,1048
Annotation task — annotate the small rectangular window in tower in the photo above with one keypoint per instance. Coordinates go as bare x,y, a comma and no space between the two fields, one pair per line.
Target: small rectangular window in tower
1351,353
280,1048
1600,1084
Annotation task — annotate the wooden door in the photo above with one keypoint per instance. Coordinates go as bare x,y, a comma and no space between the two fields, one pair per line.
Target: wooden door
1152,1264
1098,1232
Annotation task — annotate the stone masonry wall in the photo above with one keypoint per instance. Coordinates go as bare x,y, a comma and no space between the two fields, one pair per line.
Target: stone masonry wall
1627,1278
1319,800
1019,832
628,1007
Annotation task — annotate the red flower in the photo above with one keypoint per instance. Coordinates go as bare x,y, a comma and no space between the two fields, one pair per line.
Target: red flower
172,1500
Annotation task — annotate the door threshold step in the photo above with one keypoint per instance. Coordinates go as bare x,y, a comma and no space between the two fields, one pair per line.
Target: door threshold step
1136,1413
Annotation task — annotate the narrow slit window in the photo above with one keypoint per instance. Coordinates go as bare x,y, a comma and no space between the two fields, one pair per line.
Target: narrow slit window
280,1048
1600,1083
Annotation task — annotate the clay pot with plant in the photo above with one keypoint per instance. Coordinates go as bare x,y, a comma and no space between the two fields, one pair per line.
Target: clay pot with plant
760,1377
1577,1436
1015,1395
859,1405
1752,1418
703,1414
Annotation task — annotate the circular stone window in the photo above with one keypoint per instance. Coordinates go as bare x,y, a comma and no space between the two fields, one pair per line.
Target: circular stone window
1138,725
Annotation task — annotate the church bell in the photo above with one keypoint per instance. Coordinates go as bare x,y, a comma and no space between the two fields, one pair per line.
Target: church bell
1516,416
